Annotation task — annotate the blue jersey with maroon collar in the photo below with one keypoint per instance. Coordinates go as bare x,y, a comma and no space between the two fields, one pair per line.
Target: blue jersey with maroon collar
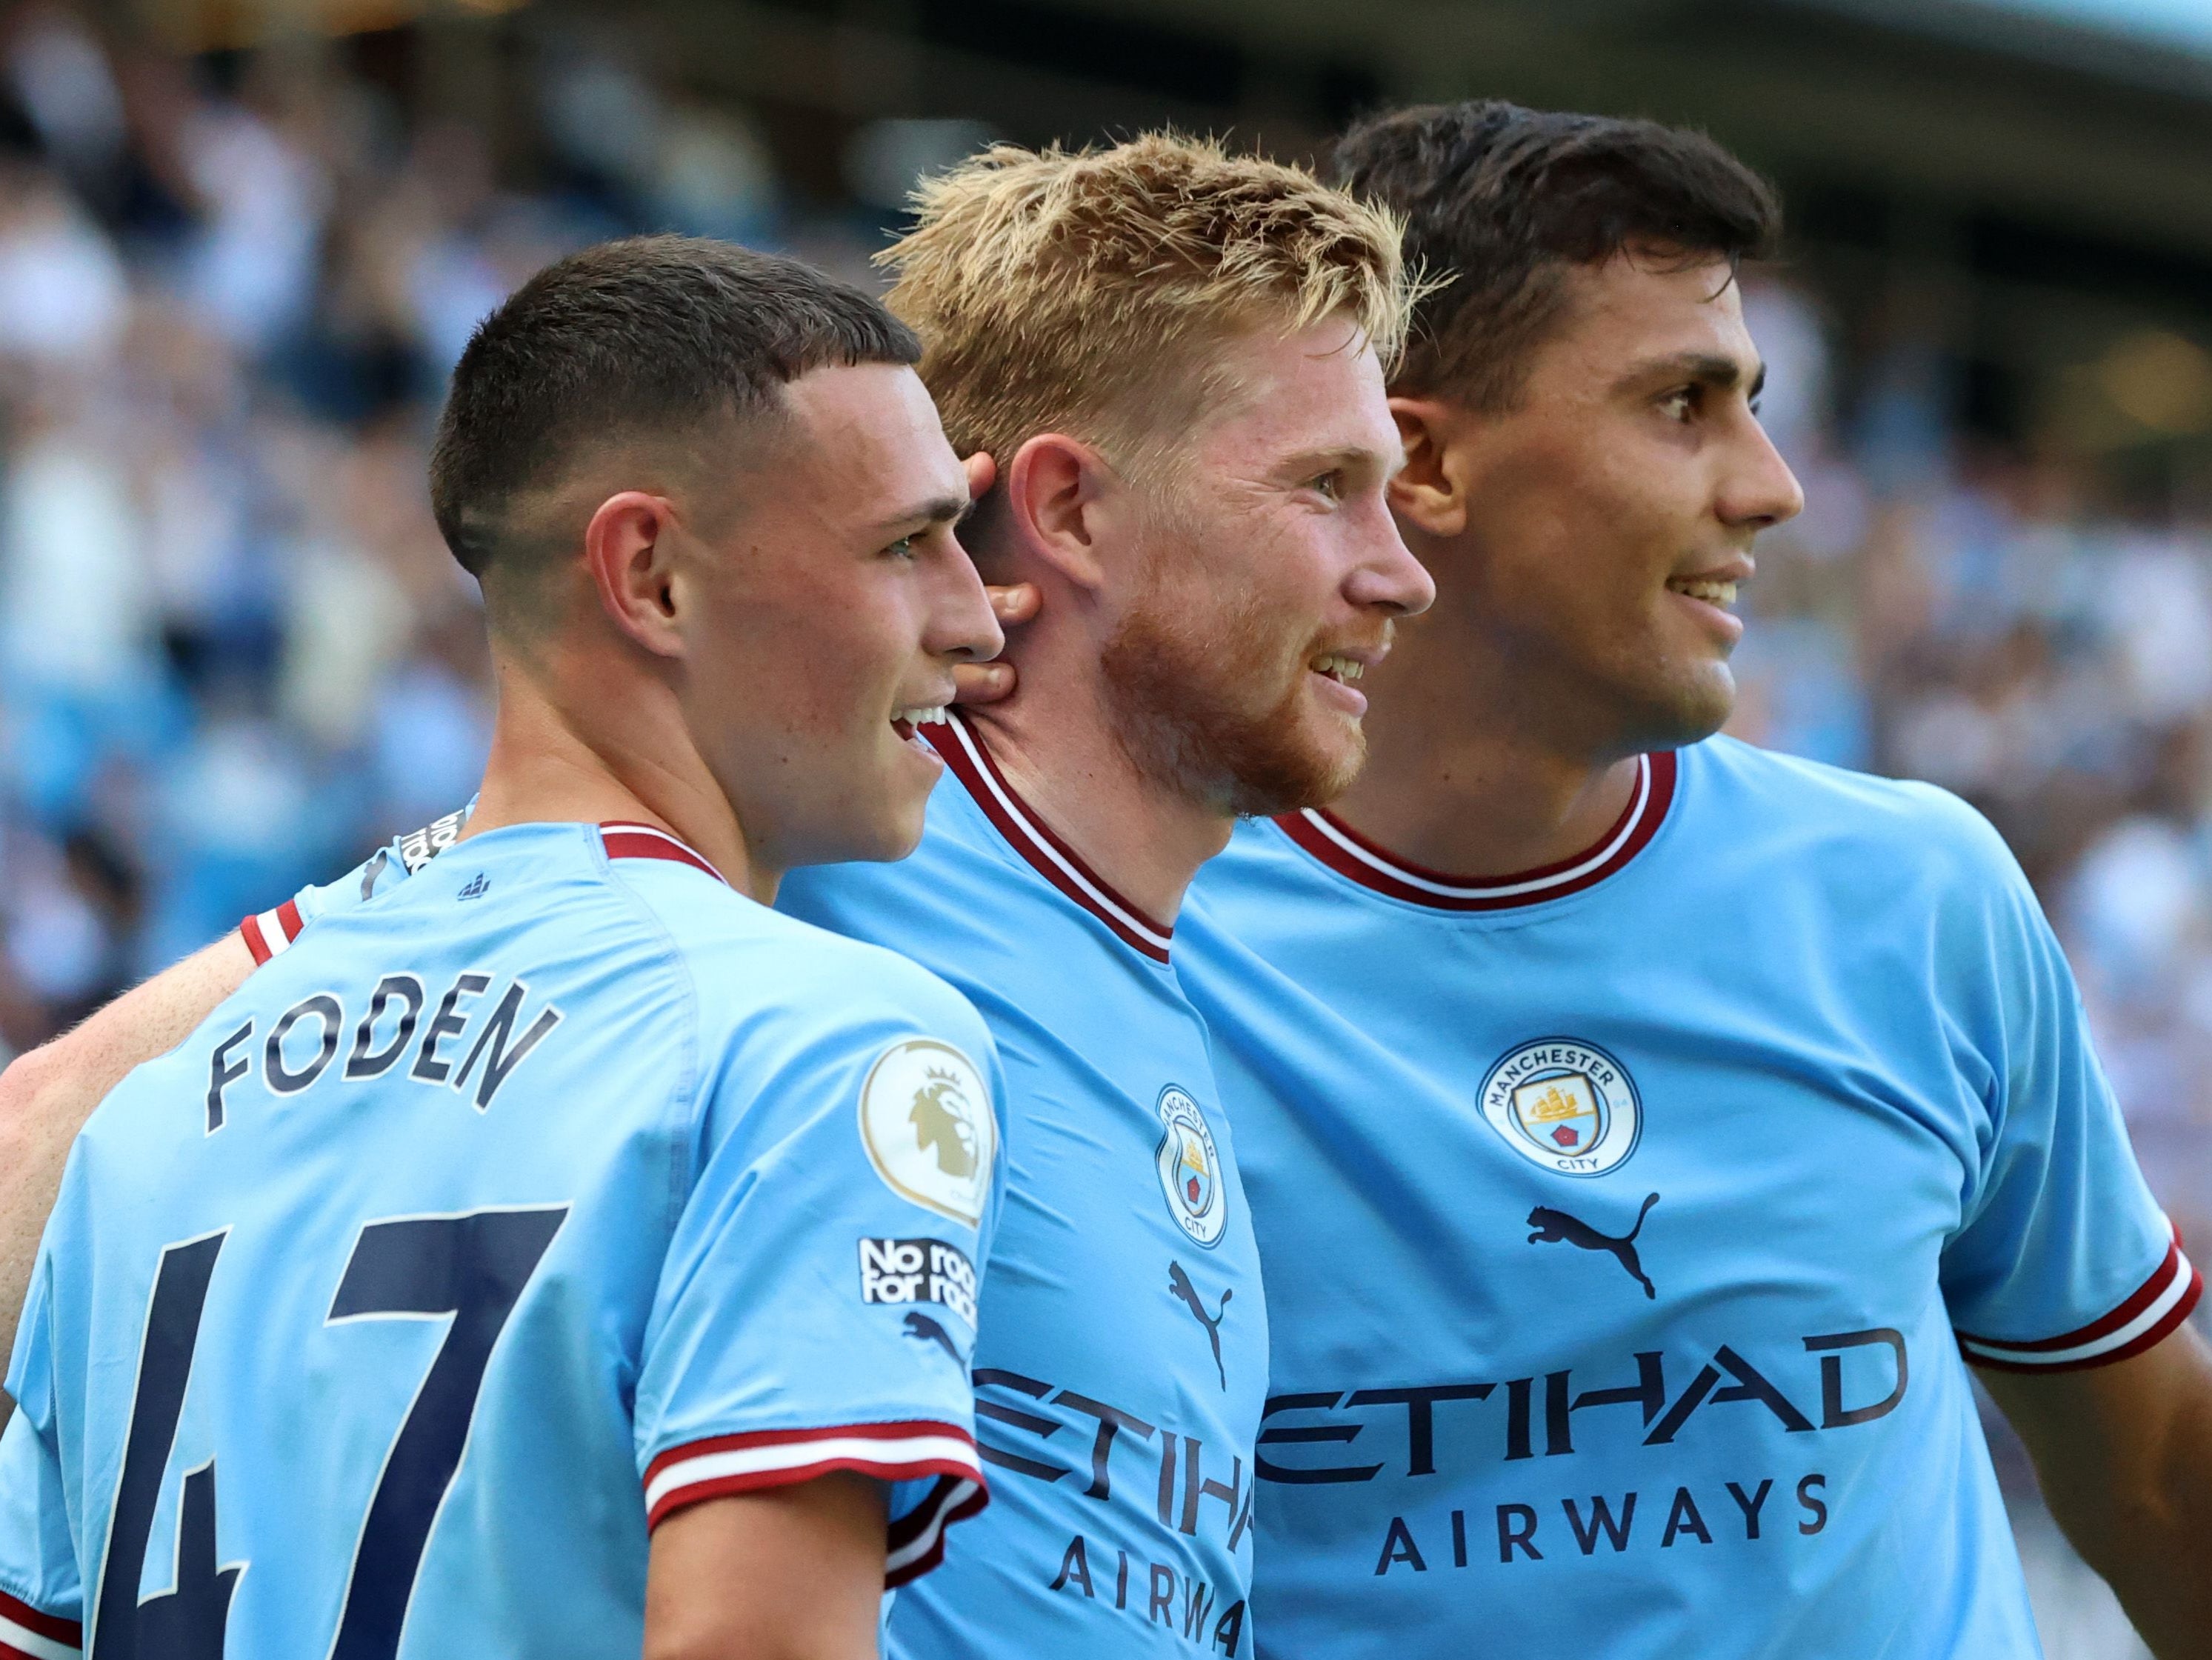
499,1217
1624,1222
1121,1373
1120,1378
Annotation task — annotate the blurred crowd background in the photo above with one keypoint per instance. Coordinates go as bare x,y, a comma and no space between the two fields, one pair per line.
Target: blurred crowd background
240,246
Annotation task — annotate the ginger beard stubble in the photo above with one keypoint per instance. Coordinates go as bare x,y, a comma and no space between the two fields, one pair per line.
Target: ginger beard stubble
1209,696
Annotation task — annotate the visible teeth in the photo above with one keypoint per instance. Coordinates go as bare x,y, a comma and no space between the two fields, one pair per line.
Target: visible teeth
1339,666
929,717
1713,593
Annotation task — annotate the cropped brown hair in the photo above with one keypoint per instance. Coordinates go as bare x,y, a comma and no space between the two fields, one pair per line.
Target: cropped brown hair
1078,291
639,338
1500,202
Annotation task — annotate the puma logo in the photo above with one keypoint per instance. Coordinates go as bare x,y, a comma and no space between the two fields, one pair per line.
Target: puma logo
1553,1225
924,1329
1179,1283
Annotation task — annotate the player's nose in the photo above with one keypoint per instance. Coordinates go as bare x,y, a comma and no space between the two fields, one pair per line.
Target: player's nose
1389,578
962,624
1759,489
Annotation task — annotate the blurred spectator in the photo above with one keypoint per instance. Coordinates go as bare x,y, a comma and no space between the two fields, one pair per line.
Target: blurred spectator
63,295
232,649
252,267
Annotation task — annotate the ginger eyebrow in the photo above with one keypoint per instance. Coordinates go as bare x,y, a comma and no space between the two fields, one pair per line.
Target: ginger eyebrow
1307,463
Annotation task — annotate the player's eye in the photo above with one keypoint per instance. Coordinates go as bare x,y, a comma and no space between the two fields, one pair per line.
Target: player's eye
1679,404
1329,485
903,548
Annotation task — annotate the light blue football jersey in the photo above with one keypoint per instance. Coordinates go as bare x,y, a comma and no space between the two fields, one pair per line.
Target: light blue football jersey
1121,1366
492,1222
1120,1374
1623,1223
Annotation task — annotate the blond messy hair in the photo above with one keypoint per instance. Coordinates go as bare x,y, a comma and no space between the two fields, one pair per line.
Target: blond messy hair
1079,291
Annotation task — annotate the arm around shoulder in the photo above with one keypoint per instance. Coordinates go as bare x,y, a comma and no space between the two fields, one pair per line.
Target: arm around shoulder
46,1094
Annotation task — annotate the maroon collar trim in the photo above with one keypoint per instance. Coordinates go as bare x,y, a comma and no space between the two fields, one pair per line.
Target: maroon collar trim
1350,854
626,841
1028,835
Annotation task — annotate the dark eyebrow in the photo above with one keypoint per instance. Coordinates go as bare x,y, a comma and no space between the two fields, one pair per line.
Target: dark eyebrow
939,510
1706,369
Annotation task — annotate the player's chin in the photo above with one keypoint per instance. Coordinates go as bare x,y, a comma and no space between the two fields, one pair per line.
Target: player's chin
1335,741
1688,705
1311,762
889,834
889,826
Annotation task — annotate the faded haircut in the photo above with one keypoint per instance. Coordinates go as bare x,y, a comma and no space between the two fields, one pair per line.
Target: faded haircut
1501,202
1083,291
638,340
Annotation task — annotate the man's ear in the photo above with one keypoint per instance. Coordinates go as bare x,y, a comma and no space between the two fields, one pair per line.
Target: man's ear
1057,489
629,550
1430,493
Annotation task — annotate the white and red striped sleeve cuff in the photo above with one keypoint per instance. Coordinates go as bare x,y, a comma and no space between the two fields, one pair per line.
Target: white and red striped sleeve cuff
270,932
2149,1316
725,1464
916,1540
28,1634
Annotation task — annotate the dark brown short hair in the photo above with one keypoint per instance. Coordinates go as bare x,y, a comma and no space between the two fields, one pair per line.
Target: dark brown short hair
1503,201
645,337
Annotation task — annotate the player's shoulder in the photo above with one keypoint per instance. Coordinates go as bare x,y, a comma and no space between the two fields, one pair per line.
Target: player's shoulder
748,960
1812,807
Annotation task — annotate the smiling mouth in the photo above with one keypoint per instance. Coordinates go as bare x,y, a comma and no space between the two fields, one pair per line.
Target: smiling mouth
903,721
1715,593
1338,667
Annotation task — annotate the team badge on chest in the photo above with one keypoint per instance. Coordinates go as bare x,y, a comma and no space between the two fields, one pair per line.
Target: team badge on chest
1190,1168
1564,1105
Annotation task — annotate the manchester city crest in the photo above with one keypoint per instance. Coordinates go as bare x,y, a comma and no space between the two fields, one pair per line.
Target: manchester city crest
1190,1168
1564,1105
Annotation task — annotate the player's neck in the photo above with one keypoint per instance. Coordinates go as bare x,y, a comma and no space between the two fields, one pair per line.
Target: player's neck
1053,740
1464,775
560,759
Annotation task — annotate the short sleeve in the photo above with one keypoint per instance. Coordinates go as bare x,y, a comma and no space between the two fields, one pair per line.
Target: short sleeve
41,1595
267,934
817,1306
2064,1259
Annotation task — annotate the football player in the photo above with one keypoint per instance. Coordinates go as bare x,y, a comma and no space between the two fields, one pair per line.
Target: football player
1177,356
492,1274
1647,1133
